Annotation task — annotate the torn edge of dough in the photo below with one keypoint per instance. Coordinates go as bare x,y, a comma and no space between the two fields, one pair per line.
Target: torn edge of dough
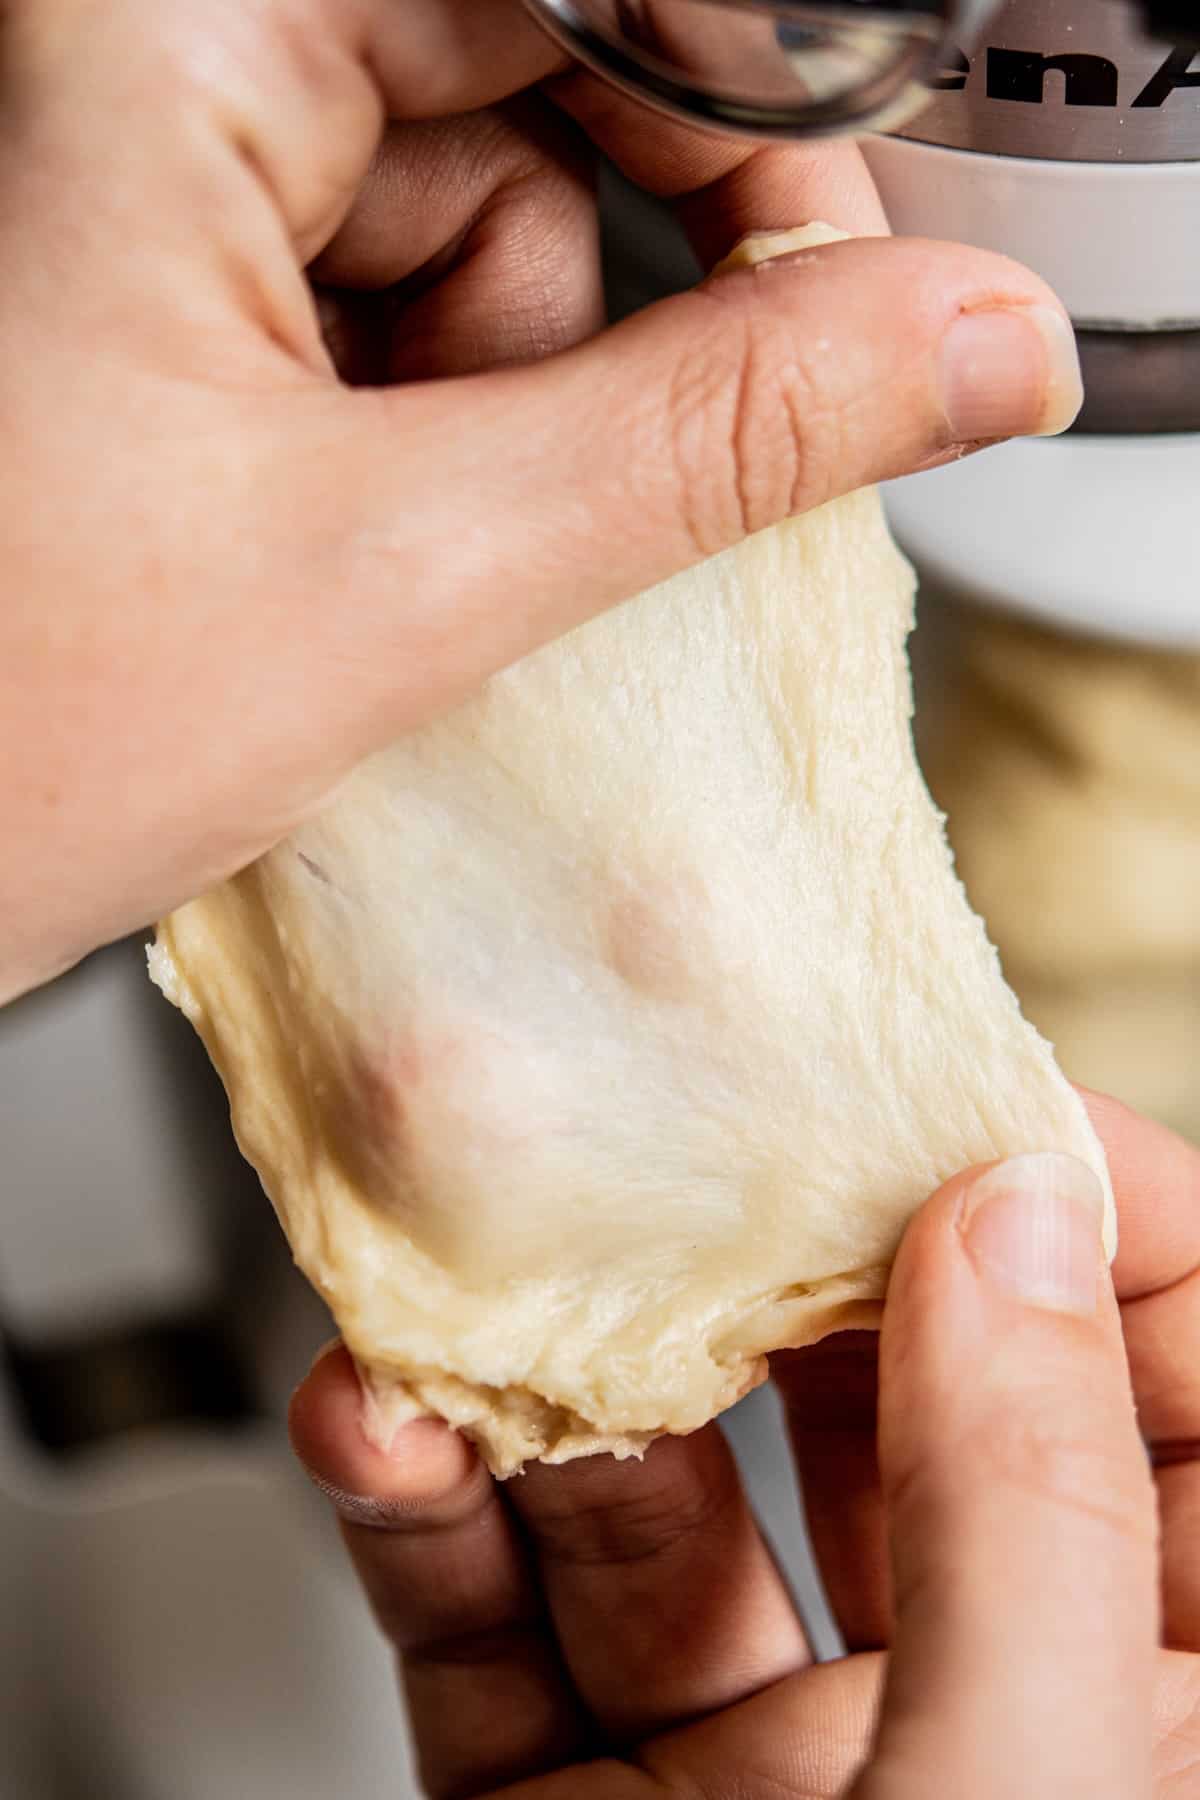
510,1427
759,249
516,1425
164,973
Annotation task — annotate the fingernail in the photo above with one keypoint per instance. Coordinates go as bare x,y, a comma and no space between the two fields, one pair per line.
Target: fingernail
415,1435
1033,1228
1012,373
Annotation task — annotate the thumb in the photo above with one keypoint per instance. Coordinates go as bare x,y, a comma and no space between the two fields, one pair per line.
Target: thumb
1020,1503
707,417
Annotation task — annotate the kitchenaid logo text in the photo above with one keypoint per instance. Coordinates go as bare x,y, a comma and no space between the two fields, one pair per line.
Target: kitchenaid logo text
1083,79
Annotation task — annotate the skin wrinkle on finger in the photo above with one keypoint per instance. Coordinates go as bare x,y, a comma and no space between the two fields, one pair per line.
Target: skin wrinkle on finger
472,245
476,1585
461,1608
664,1595
360,1509
411,1514
710,486
802,1739
430,181
543,264
1169,1453
1177,1727
610,1533
745,387
778,426
1068,1477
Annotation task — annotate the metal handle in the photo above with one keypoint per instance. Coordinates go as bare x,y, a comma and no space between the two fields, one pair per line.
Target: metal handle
768,68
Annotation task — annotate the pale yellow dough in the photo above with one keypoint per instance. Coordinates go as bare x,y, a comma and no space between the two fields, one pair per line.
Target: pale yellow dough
1070,771
604,1036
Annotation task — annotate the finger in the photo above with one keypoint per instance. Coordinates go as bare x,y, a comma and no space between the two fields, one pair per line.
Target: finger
812,1734
452,56
829,1392
700,420
724,188
1021,1509
809,1733
806,1737
473,244
1157,1272
296,92
1177,1726
1155,1175
450,1586
666,1600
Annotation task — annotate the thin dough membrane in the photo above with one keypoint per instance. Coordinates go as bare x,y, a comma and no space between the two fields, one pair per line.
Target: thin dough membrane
602,1037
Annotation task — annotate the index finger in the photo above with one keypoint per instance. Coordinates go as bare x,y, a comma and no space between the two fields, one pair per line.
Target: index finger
450,56
724,188
435,57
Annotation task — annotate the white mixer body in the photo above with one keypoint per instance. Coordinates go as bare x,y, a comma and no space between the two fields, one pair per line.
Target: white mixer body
1071,142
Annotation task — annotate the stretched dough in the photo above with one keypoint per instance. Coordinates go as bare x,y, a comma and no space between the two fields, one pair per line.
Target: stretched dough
1070,771
603,1036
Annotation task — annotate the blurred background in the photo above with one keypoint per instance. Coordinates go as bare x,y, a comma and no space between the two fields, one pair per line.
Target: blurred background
176,1617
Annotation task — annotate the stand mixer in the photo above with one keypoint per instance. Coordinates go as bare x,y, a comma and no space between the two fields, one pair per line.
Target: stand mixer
1065,133
1065,745
1070,139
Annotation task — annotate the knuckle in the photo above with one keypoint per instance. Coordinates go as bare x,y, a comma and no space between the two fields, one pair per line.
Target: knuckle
752,436
1091,1477
652,1518
215,46
1078,1477
286,84
467,1646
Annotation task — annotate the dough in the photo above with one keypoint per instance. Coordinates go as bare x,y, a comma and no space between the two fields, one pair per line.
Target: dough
1070,772
603,1036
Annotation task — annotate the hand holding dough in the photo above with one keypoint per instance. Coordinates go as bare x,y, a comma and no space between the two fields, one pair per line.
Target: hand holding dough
604,1036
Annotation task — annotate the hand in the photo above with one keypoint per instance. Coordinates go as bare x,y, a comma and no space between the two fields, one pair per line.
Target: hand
616,1631
229,573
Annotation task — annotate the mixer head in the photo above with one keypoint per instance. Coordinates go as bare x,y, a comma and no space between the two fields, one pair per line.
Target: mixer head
804,68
